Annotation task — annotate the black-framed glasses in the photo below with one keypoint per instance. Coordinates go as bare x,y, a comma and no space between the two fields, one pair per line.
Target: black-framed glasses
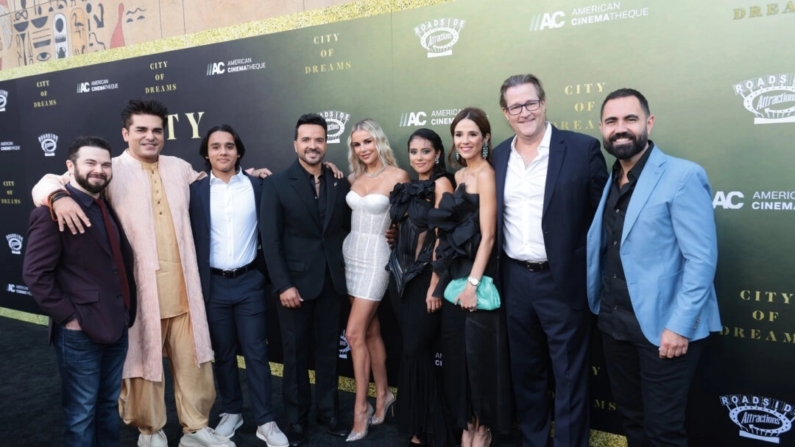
531,106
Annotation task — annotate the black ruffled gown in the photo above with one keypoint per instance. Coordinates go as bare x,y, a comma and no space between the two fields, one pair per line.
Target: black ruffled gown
476,365
420,404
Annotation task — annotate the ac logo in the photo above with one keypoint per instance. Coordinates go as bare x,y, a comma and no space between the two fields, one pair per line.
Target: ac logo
412,119
3,100
215,69
83,87
726,200
548,21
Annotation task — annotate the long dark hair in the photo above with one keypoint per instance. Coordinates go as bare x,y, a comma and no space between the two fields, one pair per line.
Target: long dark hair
436,142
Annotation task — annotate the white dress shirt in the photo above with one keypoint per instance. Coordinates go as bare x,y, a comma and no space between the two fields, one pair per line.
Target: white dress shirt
524,203
233,220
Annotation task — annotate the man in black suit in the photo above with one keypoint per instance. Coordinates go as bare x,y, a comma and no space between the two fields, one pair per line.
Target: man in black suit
549,183
304,219
84,283
224,211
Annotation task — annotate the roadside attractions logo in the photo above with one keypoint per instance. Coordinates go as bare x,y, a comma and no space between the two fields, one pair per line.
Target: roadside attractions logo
49,143
335,121
439,35
3,100
233,66
14,243
771,98
586,15
344,347
760,418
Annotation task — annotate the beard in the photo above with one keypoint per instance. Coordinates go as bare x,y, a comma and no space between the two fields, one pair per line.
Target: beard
628,150
93,188
306,160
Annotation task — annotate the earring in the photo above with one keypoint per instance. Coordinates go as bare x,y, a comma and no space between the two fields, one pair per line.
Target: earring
437,160
457,156
485,151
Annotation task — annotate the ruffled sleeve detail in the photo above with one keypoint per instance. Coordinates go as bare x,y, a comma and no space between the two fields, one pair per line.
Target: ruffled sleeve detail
458,221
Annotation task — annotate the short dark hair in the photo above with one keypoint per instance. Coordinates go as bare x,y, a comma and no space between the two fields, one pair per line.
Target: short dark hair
311,118
204,145
436,143
91,141
143,106
521,79
479,117
626,93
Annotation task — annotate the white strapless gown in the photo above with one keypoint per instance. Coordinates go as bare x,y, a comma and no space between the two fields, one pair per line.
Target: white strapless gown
365,250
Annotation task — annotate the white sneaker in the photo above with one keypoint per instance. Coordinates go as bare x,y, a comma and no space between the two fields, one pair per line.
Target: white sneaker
157,439
206,437
229,424
272,436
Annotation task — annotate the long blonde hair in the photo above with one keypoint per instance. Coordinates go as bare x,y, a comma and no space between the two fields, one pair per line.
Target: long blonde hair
385,154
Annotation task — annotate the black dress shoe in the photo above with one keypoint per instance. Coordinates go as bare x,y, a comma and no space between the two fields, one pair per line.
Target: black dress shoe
296,435
334,427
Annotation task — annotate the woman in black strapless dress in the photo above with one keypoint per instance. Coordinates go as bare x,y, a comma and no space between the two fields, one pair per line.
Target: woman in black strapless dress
420,407
476,366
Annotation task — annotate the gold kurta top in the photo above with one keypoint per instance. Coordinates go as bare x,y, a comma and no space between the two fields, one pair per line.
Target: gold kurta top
171,290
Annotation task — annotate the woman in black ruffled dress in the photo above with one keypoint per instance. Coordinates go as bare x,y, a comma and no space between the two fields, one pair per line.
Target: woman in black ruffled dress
420,404
476,366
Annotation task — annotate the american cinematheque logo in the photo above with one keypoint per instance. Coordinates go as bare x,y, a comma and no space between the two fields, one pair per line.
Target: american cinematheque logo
49,142
336,122
17,288
3,100
234,66
760,418
771,98
438,36
14,243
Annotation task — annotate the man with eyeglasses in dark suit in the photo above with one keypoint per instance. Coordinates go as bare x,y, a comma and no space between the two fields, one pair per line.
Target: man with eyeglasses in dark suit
549,183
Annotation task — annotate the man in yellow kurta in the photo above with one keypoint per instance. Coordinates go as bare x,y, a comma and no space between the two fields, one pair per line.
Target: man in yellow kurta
150,195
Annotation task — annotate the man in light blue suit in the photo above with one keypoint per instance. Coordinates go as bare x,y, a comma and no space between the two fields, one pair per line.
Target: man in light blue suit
652,253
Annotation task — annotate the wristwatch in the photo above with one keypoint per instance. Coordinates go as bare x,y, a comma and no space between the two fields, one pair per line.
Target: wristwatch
474,281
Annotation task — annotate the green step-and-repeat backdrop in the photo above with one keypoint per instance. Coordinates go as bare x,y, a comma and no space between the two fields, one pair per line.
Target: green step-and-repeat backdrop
719,75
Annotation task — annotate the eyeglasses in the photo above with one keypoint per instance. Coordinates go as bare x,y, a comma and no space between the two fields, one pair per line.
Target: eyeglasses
531,106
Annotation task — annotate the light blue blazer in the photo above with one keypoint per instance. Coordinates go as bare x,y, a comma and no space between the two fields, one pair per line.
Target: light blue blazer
669,250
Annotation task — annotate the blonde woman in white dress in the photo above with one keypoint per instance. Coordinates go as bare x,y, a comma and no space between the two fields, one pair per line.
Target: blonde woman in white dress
374,173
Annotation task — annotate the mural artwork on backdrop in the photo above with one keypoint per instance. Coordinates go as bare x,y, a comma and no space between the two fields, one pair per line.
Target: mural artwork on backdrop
33,31
722,96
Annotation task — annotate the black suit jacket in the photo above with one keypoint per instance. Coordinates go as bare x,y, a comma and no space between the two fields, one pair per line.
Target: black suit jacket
200,223
296,244
576,176
74,275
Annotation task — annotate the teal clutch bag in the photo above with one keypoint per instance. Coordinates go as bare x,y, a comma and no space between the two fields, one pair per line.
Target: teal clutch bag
488,297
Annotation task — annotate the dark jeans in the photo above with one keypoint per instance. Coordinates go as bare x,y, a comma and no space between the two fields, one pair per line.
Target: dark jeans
90,386
650,392
236,313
